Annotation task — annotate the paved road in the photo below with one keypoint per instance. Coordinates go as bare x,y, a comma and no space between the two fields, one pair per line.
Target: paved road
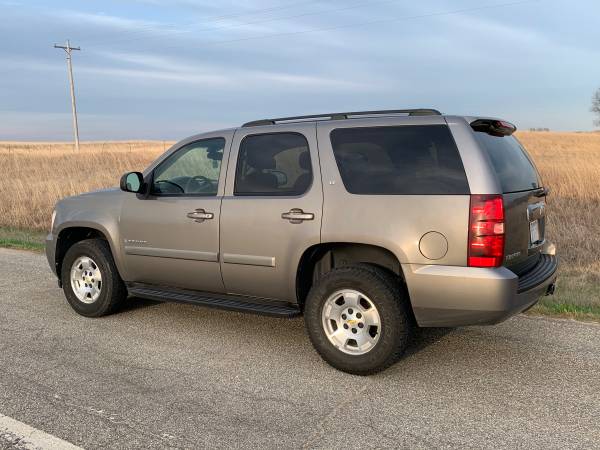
166,375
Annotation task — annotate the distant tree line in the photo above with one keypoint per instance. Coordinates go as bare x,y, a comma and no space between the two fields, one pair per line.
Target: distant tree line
539,129
596,107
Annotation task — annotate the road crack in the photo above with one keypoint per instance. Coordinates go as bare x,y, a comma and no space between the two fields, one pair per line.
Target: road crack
320,430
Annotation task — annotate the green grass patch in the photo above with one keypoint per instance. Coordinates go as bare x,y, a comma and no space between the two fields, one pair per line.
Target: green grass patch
577,296
567,310
22,239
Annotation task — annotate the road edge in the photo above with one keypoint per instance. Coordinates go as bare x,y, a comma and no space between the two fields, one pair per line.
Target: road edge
22,435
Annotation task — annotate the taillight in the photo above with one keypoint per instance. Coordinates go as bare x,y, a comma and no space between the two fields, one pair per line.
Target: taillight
486,231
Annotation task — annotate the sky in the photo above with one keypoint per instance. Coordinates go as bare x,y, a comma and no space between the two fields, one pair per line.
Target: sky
166,69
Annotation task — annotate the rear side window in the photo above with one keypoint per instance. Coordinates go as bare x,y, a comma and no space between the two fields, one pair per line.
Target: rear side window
273,164
510,161
421,159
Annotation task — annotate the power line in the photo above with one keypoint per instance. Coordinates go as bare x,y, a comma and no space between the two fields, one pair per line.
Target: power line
361,4
154,29
361,24
68,50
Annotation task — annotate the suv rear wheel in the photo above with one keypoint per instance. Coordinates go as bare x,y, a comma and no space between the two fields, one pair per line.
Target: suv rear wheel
90,279
358,320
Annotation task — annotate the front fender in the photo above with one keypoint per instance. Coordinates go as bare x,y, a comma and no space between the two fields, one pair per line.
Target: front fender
99,211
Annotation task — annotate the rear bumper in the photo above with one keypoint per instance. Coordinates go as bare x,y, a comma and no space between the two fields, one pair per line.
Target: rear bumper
449,296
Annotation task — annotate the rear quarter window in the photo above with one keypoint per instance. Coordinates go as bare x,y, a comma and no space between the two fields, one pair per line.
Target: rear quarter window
409,160
511,163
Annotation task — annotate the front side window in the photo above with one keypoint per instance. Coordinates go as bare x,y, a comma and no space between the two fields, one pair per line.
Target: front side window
399,160
192,170
273,164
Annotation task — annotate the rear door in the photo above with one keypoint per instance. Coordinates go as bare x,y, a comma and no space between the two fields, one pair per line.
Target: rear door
271,211
524,199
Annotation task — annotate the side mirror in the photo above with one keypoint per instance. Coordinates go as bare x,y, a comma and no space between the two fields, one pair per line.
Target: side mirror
132,182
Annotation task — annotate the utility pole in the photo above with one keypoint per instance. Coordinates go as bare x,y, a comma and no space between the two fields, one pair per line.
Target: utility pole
68,50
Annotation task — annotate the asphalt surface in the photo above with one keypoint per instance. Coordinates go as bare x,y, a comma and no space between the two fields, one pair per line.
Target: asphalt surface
161,375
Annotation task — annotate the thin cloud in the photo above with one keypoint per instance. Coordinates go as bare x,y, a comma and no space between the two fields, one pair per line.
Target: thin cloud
103,20
216,75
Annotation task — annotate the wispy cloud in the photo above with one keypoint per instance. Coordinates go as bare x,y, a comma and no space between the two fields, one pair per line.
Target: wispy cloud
162,68
103,20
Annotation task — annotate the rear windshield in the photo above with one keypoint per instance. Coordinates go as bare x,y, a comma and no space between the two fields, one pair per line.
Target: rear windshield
510,161
412,159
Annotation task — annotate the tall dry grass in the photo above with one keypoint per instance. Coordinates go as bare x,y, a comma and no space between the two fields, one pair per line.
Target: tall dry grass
33,176
570,166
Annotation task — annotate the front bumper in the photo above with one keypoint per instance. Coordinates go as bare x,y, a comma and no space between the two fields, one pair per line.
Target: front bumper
450,296
51,252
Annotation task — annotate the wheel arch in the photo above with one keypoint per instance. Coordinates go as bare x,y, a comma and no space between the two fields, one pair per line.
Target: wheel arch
70,234
321,258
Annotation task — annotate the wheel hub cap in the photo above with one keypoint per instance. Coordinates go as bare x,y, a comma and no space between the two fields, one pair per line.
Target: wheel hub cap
351,322
86,279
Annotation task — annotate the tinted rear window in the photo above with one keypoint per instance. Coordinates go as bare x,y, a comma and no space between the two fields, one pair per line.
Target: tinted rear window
273,164
510,161
421,159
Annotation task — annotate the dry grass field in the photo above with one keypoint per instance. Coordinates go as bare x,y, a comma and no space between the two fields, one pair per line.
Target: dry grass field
36,175
570,165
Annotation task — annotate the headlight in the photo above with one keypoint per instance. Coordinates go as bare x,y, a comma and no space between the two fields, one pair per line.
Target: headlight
52,222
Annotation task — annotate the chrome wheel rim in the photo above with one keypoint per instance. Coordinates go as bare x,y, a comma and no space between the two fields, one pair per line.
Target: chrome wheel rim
86,279
351,322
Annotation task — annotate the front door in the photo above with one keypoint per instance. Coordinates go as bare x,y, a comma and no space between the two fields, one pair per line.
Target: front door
271,211
171,238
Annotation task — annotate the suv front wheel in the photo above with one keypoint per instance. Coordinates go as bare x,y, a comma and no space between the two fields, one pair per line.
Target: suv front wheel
90,279
358,320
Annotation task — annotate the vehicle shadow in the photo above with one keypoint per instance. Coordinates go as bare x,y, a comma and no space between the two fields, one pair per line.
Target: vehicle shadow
135,303
420,339
425,337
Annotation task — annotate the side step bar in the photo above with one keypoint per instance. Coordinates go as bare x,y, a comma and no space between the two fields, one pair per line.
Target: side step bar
222,301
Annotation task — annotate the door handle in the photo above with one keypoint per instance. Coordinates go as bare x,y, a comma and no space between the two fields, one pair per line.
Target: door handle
296,215
199,215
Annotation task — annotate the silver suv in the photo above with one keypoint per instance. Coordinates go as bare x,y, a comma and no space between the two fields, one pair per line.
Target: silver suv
368,223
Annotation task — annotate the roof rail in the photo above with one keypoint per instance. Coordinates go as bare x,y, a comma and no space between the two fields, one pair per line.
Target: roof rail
345,115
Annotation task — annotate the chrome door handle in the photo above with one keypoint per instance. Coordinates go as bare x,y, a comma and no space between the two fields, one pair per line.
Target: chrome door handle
296,215
199,215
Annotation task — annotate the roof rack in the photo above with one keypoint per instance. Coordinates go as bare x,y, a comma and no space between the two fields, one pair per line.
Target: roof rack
345,115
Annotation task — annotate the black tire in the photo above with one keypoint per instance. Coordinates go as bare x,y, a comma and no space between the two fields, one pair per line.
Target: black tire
391,300
113,291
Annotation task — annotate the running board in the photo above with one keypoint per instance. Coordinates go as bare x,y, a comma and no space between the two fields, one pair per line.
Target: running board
238,303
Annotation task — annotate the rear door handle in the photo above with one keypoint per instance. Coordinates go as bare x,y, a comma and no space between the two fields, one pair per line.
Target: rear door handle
296,215
199,215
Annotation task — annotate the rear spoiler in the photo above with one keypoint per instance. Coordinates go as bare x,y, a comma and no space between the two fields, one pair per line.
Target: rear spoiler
494,127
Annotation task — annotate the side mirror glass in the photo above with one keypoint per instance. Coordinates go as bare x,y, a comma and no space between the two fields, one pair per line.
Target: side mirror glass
132,182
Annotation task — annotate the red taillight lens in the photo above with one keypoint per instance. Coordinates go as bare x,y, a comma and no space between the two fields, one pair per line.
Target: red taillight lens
486,231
